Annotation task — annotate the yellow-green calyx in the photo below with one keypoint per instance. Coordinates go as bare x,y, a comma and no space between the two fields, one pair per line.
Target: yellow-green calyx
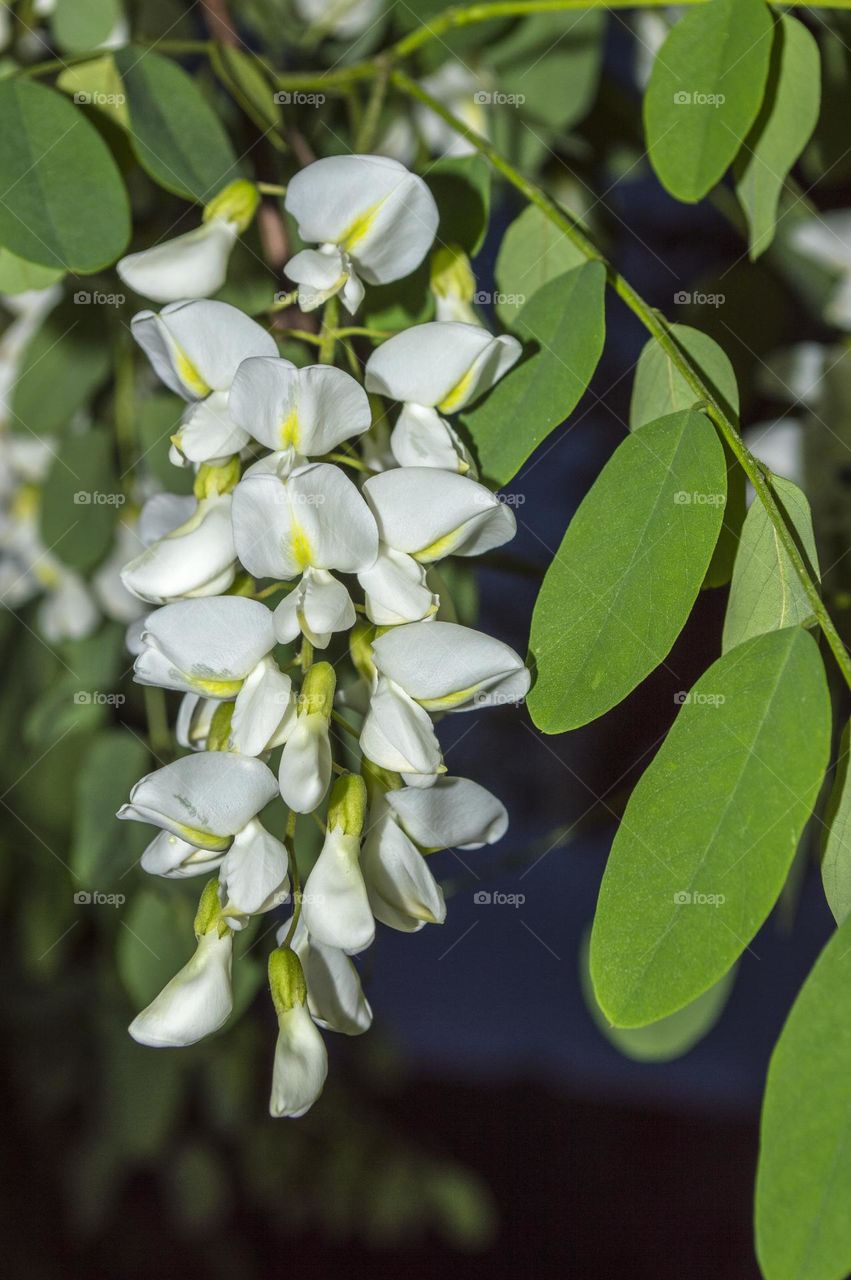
237,203
219,735
242,585
209,913
347,806
317,691
361,637
379,780
211,482
451,274
286,980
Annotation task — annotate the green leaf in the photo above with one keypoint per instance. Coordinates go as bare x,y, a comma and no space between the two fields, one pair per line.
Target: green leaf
562,326
80,25
18,275
155,942
97,84
705,91
102,848
766,593
80,500
64,205
176,135
461,186
240,74
668,1038
628,571
803,1228
660,388
81,695
533,252
709,833
836,857
63,366
783,128
551,64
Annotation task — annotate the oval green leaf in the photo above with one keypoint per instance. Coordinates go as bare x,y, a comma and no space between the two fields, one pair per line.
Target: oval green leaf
660,388
63,365
803,1189
766,593
563,325
177,137
533,251
705,91
709,833
64,204
836,858
80,25
80,500
102,848
628,571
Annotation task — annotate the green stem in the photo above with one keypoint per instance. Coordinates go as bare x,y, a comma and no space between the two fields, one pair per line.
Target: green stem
657,326
328,334
271,189
295,878
365,138
159,733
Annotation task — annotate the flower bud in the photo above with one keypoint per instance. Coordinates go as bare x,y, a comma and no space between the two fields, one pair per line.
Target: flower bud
236,203
286,980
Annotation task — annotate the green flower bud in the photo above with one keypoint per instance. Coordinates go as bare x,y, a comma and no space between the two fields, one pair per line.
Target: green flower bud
347,806
209,913
237,202
219,734
451,274
317,690
213,481
286,980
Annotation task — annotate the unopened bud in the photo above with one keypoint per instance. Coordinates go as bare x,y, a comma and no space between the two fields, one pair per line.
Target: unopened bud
210,482
286,980
347,806
317,690
237,203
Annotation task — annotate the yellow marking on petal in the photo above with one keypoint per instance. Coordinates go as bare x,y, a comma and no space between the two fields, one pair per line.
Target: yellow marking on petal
302,549
189,375
216,688
290,430
449,700
360,227
438,549
196,836
457,395
26,503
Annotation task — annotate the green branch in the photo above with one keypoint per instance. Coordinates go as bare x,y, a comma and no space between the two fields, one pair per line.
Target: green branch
657,326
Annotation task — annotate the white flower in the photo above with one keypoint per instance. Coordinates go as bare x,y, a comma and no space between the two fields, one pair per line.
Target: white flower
205,799
313,517
310,410
455,813
343,18
174,859
442,365
196,1002
304,774
317,607
335,906
446,667
194,721
301,1059
826,239
193,265
372,219
253,874
264,712
395,589
402,891
196,349
421,438
197,558
429,514
335,996
456,87
398,735
67,611
207,646
113,597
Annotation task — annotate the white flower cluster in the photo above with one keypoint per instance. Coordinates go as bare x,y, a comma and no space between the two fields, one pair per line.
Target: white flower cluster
275,511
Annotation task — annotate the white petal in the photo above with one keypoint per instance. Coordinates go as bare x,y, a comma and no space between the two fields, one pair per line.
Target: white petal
319,274
431,514
421,438
826,239
440,364
402,891
316,608
68,611
173,858
196,347
447,667
455,813
196,559
194,721
301,1064
398,735
838,310
305,770
384,217
253,875
316,517
207,431
205,798
335,906
193,265
264,711
196,1002
395,590
162,514
311,410
206,646
334,992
